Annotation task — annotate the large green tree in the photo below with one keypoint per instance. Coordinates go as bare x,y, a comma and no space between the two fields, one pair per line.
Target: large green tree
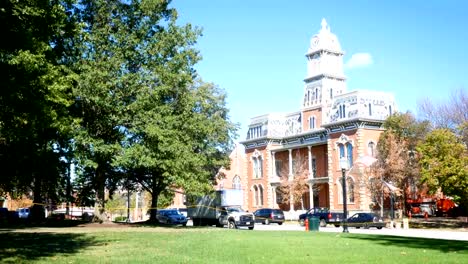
444,164
180,137
144,118
108,70
35,94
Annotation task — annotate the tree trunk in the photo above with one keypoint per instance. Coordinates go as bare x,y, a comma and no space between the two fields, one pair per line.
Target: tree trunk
154,205
154,201
100,194
37,213
68,194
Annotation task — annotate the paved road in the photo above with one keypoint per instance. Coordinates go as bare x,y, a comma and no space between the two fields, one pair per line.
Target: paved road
449,234
456,234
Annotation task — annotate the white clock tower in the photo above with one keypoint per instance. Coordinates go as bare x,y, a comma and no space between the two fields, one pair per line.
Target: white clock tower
325,77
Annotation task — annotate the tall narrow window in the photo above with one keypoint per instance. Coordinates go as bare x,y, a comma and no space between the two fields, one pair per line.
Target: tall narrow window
278,167
342,151
340,110
331,93
316,93
314,167
312,122
349,149
260,169
344,111
236,183
279,196
390,109
370,109
350,191
260,195
255,194
257,167
371,149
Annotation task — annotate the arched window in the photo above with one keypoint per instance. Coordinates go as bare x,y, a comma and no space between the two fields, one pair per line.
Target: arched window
236,183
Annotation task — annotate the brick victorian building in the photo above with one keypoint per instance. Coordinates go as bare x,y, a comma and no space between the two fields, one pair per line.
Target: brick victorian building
331,124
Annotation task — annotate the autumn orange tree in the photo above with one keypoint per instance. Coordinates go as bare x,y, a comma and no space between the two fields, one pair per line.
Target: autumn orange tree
294,185
397,159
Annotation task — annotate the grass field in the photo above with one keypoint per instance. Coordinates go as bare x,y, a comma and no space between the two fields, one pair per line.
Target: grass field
214,245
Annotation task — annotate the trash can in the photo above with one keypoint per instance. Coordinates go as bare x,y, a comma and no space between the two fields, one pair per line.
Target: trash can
314,223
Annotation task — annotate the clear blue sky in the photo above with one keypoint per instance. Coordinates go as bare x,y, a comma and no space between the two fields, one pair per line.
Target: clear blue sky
255,49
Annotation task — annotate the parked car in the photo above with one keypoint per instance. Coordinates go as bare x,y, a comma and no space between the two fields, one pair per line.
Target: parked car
171,217
324,215
181,210
365,220
3,215
23,213
269,215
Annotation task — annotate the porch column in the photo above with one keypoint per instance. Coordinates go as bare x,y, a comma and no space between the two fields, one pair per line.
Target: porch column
273,197
311,195
291,200
309,152
273,165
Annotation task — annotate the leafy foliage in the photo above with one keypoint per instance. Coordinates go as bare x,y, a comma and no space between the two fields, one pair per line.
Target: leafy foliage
444,164
397,160
145,119
35,95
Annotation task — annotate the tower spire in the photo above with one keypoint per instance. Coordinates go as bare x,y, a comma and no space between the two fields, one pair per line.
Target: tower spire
324,25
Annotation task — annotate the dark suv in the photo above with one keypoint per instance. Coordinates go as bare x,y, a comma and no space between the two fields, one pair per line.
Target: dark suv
268,215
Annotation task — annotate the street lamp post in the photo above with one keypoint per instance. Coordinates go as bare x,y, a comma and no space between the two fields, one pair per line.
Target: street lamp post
344,167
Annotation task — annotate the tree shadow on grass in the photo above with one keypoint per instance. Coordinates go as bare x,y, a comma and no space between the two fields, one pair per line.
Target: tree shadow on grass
22,246
442,245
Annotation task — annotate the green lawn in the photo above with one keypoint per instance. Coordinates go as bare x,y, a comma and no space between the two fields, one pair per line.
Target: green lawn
211,245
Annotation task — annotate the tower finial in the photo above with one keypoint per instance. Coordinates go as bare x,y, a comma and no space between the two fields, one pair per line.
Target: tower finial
324,25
